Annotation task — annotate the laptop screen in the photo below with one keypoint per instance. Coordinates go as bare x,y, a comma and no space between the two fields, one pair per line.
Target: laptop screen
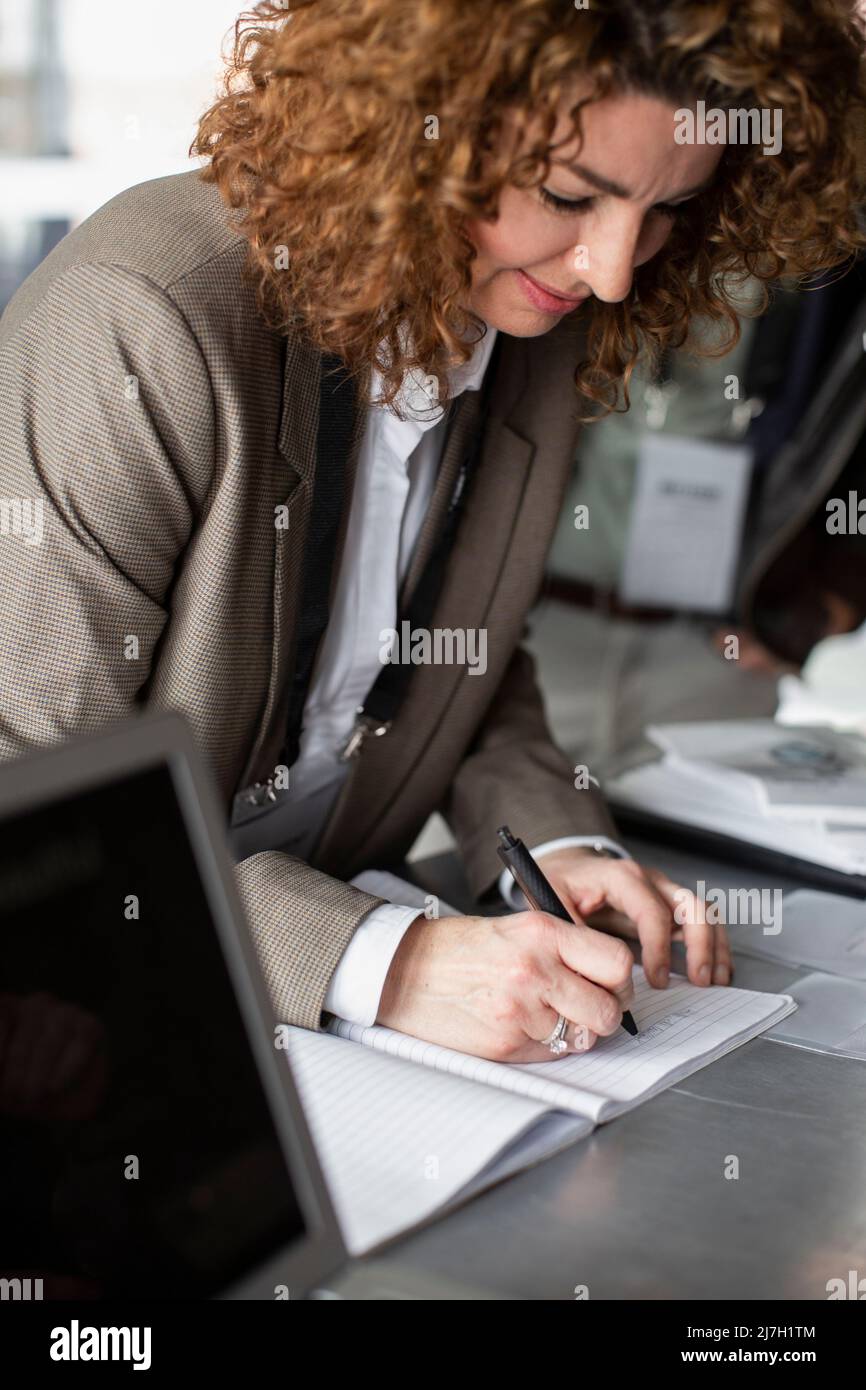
138,1156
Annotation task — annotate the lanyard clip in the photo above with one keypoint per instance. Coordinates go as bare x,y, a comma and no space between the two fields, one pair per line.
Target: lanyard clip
253,800
364,725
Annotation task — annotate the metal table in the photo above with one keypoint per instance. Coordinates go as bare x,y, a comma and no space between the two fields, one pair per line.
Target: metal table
642,1209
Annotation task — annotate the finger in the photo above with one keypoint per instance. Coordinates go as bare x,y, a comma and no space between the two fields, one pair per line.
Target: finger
581,1038
540,1020
607,919
676,895
585,1003
723,963
672,894
699,933
578,1037
541,1015
538,1023
604,960
629,890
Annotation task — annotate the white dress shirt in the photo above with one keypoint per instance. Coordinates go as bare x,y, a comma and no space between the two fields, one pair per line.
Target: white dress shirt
397,466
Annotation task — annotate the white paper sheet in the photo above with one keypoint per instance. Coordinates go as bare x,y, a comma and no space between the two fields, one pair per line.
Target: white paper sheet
830,1017
686,490
825,931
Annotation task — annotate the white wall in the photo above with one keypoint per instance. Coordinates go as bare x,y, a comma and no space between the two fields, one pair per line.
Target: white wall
138,78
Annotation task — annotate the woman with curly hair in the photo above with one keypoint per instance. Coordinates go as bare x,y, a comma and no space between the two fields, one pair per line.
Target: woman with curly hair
300,424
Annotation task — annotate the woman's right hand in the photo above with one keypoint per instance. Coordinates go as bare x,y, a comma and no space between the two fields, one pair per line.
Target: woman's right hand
493,986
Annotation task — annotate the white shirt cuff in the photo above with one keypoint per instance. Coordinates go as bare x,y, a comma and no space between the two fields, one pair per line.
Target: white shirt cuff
357,983
509,890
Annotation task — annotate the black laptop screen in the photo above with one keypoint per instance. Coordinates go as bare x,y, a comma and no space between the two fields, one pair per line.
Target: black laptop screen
138,1156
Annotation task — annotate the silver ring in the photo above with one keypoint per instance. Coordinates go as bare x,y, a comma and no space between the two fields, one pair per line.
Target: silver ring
557,1041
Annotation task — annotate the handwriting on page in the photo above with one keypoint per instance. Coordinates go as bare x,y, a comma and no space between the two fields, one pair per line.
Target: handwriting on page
662,1025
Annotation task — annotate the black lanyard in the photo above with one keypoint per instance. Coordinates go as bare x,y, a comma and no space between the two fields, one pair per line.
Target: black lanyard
333,441
336,417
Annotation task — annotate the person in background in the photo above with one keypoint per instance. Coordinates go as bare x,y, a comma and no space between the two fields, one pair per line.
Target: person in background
651,664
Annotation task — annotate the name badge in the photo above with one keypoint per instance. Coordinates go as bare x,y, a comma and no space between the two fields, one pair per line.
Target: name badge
686,524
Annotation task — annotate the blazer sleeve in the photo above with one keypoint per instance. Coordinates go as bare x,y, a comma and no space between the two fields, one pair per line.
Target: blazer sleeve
513,773
107,437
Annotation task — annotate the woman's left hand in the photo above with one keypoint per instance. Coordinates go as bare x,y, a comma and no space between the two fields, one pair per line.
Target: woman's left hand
621,897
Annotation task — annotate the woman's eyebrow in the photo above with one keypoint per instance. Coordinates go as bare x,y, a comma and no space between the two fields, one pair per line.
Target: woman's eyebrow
617,190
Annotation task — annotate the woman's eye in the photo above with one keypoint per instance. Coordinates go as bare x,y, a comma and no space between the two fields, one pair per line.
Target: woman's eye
572,205
566,205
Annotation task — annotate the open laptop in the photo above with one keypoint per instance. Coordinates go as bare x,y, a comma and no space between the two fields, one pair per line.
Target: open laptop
152,1144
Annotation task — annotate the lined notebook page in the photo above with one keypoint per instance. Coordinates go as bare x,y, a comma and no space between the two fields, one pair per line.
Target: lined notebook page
681,1028
398,1143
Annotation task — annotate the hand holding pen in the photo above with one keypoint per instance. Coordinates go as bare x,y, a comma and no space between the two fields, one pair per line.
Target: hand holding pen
541,897
494,986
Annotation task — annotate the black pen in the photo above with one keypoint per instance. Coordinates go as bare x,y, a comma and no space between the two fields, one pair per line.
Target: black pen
537,891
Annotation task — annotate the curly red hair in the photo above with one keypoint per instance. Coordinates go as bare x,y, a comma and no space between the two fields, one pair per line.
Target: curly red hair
356,221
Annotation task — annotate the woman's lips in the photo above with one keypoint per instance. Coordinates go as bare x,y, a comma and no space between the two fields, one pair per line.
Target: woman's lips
542,299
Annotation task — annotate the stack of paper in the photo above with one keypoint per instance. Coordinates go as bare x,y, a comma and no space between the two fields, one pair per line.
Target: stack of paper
798,790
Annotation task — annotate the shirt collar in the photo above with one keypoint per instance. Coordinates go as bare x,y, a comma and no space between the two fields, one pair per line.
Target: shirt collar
414,399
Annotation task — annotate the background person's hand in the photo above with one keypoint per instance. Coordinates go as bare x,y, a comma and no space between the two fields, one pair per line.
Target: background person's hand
493,986
618,895
753,655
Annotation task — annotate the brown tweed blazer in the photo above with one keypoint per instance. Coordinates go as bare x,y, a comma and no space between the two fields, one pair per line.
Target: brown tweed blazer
158,422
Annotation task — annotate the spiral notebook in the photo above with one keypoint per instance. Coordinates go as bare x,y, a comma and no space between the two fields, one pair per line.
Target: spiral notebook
406,1129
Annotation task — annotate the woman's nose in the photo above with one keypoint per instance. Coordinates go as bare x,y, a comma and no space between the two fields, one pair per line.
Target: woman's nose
608,262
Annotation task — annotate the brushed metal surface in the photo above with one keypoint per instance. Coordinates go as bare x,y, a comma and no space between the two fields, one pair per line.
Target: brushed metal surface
642,1208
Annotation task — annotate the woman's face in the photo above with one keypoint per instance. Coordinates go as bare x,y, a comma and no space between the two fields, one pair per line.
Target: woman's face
620,184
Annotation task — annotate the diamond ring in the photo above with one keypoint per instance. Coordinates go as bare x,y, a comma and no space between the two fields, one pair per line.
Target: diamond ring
557,1041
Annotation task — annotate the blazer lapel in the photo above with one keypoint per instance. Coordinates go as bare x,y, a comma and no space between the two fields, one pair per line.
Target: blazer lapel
296,443
486,532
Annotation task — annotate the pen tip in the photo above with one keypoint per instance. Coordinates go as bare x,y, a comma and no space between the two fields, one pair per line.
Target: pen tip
629,1024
